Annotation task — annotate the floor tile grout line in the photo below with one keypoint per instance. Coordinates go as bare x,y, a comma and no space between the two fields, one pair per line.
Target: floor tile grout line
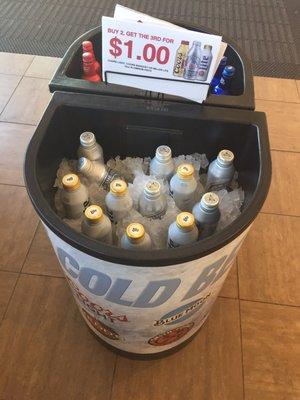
29,248
277,101
285,151
270,303
279,215
19,275
34,56
41,275
242,352
12,184
113,378
13,92
17,123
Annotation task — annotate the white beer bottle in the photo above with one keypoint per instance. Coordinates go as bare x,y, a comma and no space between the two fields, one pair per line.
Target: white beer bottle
118,201
96,225
74,196
183,187
135,238
207,214
89,148
152,203
182,231
220,171
162,165
96,171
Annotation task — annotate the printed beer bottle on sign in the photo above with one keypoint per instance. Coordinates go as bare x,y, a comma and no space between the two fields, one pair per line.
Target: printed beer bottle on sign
193,61
180,59
206,57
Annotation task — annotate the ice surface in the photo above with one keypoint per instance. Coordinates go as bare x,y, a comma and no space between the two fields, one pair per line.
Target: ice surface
230,205
129,167
134,171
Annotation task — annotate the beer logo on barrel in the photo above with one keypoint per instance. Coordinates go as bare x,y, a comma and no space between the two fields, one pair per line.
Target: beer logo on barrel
171,336
182,313
105,330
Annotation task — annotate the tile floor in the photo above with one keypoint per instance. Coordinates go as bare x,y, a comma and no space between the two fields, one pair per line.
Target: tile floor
249,348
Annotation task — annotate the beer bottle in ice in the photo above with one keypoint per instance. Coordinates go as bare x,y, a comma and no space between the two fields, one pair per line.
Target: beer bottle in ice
96,171
135,238
217,77
96,225
182,231
220,171
207,214
74,196
118,201
162,165
152,203
183,187
89,148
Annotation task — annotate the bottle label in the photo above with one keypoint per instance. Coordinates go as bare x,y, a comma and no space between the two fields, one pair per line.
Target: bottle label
172,244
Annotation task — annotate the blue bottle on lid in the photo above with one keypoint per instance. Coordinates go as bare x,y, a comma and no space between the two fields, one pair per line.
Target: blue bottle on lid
223,88
216,79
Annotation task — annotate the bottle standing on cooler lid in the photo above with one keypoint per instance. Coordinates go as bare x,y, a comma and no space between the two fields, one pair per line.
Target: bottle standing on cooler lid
183,187
205,61
207,214
96,171
118,201
220,171
89,148
223,87
89,68
162,165
87,47
96,225
180,59
192,61
152,203
135,238
216,79
182,231
74,196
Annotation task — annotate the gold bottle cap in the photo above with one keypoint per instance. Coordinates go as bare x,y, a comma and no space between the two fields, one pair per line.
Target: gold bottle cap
185,220
93,213
118,187
226,156
71,181
135,231
185,171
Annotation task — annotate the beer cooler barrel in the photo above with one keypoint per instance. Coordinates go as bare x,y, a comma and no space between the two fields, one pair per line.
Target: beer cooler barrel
68,76
146,302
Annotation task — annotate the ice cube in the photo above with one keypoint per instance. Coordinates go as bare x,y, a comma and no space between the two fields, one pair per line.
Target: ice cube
97,195
74,223
65,167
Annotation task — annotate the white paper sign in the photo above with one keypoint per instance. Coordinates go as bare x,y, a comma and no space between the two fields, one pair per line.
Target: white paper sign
158,57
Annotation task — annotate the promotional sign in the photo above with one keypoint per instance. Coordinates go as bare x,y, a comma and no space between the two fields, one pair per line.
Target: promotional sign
158,57
144,310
